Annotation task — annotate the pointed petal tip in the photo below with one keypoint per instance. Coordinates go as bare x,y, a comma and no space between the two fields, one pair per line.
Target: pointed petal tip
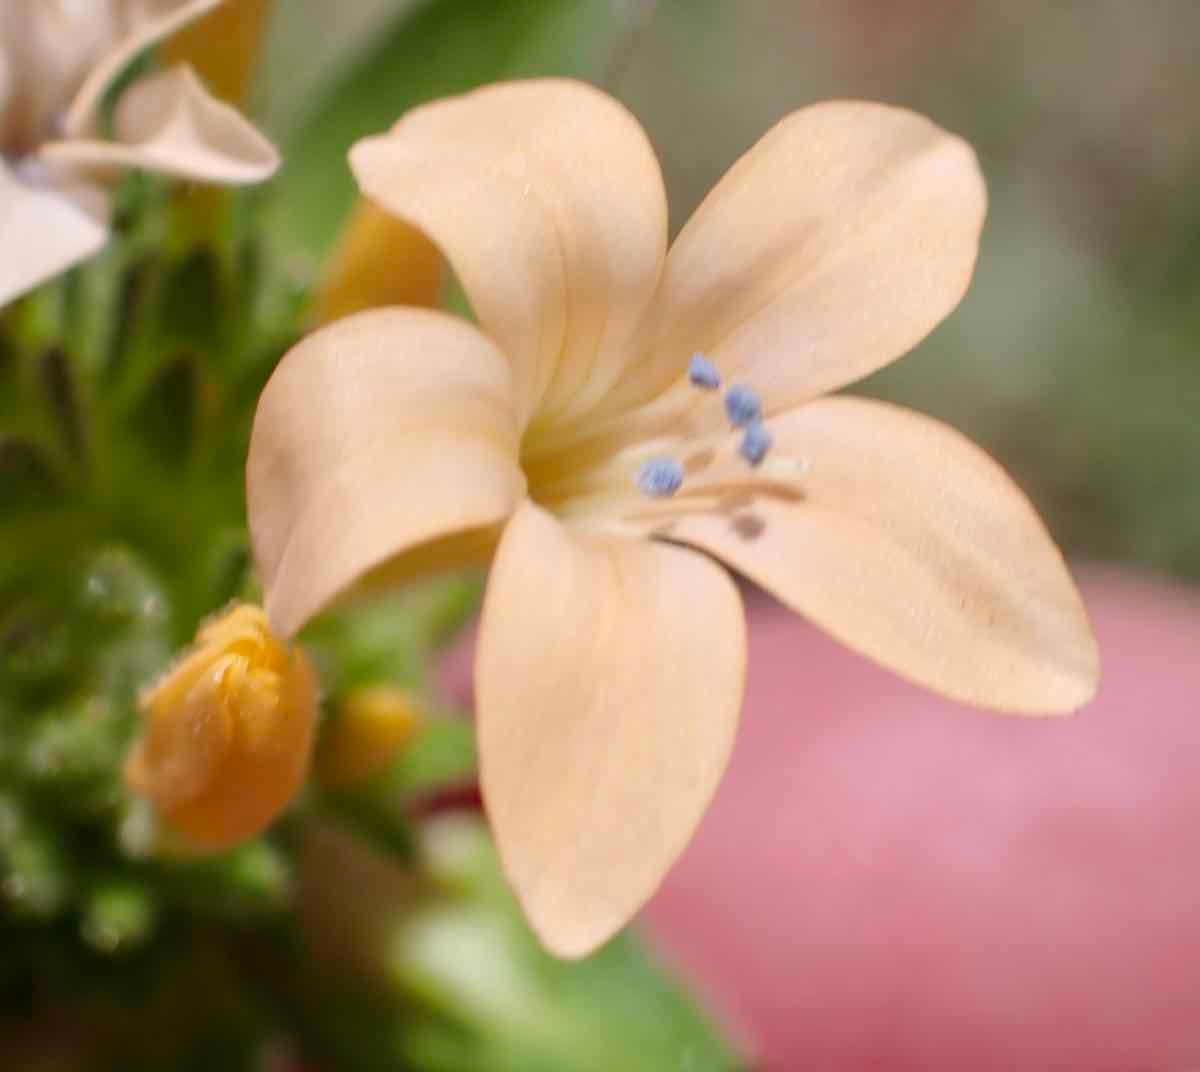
837,243
569,939
1078,686
607,713
169,123
906,543
148,28
45,231
580,224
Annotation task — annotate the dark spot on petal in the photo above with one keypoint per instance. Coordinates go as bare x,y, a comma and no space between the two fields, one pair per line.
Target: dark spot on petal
749,526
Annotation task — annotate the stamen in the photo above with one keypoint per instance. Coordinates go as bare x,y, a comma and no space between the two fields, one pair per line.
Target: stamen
756,442
784,468
742,406
703,373
659,477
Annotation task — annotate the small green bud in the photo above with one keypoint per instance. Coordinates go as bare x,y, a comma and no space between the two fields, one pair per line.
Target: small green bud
118,915
259,874
35,876
137,831
117,590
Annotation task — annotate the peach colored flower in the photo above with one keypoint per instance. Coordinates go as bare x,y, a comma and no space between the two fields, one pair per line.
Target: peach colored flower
58,59
574,439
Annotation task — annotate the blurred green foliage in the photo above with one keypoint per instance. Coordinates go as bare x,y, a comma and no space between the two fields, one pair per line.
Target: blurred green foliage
425,51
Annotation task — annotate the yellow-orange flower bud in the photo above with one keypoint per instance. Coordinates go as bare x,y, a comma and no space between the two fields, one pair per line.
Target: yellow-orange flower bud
363,736
379,261
229,732
223,47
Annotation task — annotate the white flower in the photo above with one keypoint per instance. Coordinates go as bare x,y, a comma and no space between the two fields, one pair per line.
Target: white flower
58,59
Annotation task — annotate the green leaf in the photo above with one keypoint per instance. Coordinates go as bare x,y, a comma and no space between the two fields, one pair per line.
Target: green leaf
441,47
496,1002
167,414
442,754
63,396
249,883
27,470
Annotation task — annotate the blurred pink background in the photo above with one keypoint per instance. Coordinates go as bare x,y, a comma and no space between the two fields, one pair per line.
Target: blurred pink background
888,881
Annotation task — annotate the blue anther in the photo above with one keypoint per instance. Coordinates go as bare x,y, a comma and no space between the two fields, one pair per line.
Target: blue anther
756,441
742,405
659,477
703,373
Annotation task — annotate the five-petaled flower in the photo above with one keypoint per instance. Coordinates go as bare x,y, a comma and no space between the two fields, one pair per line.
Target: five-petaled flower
625,417
58,60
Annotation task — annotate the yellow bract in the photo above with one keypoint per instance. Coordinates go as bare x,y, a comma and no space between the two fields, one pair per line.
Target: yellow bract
229,732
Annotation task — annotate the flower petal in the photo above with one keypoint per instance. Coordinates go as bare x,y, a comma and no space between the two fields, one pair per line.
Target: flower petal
169,123
151,21
910,545
378,433
43,231
546,198
609,678
832,247
46,49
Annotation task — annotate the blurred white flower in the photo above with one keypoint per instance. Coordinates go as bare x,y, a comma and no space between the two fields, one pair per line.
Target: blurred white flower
58,60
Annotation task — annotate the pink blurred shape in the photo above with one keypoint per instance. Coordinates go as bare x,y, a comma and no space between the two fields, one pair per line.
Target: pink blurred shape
888,881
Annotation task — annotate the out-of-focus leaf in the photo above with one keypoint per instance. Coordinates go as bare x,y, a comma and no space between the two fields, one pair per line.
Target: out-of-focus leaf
36,875
383,831
35,644
251,882
442,754
27,471
437,48
366,645
168,308
64,398
167,413
447,976
497,1003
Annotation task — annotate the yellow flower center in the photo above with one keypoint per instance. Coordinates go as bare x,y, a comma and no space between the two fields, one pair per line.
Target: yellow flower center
592,475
